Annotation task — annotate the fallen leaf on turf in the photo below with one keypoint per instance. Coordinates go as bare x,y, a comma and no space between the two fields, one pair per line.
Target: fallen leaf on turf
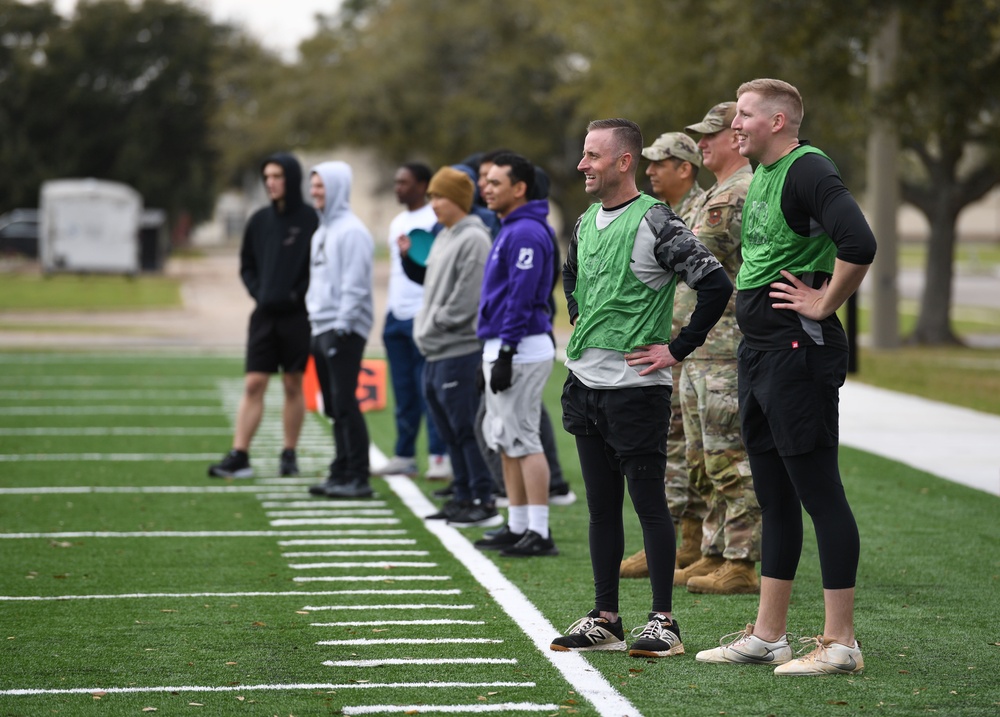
149,709
241,698
168,611
195,704
836,702
231,663
259,624
301,612
492,693
481,698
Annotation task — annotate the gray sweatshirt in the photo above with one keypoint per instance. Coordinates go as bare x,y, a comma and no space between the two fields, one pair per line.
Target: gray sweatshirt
340,266
445,326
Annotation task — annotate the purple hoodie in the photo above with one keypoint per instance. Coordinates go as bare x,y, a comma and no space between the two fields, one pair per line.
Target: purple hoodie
517,280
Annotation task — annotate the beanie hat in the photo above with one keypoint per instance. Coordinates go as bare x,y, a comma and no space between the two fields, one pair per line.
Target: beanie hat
455,185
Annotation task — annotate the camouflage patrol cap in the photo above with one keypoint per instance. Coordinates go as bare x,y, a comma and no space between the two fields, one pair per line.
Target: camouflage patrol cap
674,144
718,118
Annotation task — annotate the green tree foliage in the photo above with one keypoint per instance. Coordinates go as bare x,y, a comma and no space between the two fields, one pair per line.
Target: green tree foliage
438,80
122,92
947,105
25,34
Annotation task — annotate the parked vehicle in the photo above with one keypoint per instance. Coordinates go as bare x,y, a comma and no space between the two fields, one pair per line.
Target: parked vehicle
19,232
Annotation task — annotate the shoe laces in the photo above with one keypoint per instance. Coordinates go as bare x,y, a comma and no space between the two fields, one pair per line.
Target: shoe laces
813,648
655,629
582,625
735,638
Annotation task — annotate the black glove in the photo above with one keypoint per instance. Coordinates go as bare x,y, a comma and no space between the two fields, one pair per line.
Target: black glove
503,369
480,379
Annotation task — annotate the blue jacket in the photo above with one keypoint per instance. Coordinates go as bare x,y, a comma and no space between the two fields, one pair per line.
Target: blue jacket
517,280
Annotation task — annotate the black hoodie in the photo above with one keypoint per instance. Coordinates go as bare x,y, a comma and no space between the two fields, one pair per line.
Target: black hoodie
274,258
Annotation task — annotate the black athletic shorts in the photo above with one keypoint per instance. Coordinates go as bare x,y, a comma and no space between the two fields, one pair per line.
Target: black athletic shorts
278,341
789,399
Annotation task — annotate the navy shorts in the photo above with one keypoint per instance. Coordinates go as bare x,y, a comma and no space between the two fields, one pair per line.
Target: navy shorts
278,341
790,399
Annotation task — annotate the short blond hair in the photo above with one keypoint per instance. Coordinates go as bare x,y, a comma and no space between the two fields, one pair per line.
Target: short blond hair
779,95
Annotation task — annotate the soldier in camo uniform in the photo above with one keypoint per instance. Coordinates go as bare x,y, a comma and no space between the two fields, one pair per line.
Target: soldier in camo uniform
674,161
716,457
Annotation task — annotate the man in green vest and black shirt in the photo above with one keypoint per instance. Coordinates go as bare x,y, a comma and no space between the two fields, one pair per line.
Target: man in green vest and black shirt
624,259
806,249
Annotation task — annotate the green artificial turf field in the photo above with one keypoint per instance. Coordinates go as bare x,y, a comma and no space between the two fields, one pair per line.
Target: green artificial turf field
132,583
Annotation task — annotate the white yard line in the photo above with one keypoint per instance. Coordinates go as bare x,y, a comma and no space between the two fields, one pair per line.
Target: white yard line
264,688
586,680
422,661
105,457
111,431
414,641
327,512
385,565
318,608
503,707
373,579
285,593
109,411
357,553
288,522
380,623
178,534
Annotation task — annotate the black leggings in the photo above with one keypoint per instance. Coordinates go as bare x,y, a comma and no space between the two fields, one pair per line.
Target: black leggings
786,484
604,475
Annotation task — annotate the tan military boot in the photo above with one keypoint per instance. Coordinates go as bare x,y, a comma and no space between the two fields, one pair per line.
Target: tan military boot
634,566
690,550
704,566
733,577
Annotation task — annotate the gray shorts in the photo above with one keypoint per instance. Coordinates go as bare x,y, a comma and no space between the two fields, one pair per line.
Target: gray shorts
511,424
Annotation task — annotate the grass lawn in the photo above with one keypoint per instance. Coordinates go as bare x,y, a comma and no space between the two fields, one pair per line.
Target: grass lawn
127,571
77,292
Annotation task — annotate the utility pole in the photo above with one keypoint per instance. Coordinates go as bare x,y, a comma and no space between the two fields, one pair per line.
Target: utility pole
883,191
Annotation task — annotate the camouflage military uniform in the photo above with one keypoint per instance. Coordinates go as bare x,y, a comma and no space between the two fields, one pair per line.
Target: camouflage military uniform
683,499
708,392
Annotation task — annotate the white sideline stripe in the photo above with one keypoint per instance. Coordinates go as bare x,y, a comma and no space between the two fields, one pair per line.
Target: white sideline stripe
106,457
92,380
327,512
259,688
355,541
504,707
373,579
422,661
90,394
377,623
278,504
298,482
121,431
169,534
353,553
585,679
317,608
78,490
109,411
286,593
286,522
386,565
413,641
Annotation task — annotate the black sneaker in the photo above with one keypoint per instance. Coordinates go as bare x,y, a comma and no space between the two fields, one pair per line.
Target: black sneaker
447,492
531,545
561,494
447,510
591,633
357,488
476,514
235,464
498,539
659,638
287,464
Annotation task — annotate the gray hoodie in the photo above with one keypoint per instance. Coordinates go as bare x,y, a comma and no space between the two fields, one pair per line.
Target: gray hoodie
341,256
445,326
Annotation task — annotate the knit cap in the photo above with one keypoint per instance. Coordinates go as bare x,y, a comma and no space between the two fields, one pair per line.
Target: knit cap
455,185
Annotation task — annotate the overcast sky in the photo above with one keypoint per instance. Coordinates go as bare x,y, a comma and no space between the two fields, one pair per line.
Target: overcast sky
279,24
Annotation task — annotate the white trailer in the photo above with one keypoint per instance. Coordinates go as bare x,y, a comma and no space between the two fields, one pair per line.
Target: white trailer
89,225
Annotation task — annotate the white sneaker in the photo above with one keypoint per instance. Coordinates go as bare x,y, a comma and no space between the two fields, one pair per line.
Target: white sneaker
438,467
748,648
397,465
826,658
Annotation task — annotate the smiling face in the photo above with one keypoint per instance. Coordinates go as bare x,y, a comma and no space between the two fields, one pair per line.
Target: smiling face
717,149
600,163
501,194
754,126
